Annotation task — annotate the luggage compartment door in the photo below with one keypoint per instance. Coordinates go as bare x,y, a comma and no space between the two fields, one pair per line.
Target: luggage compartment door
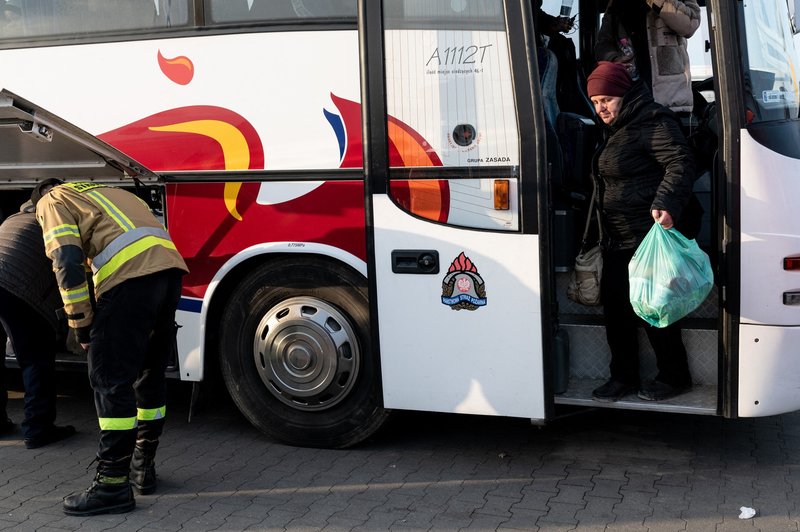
37,145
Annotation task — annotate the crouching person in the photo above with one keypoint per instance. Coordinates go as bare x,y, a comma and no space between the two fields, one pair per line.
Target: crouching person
129,332
29,303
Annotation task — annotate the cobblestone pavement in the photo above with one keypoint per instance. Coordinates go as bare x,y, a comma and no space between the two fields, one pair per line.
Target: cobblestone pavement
592,471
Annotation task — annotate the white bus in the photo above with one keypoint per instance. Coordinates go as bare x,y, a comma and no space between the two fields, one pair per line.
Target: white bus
373,212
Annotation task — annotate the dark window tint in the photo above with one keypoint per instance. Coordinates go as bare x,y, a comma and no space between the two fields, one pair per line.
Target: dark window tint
52,18
444,14
224,11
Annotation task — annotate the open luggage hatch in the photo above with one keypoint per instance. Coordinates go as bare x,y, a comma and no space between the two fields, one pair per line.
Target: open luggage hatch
36,145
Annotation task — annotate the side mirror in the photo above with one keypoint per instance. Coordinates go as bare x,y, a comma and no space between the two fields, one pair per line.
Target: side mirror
794,12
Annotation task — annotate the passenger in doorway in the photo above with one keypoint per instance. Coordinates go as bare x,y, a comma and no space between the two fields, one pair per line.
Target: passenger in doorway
649,38
547,24
29,301
129,333
644,172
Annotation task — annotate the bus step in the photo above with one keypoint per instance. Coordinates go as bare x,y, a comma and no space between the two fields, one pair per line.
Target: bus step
701,399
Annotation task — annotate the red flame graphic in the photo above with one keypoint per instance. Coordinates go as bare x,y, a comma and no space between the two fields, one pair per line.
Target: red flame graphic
462,264
175,151
179,69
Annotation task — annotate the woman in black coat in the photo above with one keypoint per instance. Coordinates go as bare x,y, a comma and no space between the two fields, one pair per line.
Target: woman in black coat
644,172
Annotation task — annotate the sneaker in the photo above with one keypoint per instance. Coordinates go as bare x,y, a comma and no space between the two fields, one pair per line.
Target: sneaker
6,427
661,391
611,391
51,435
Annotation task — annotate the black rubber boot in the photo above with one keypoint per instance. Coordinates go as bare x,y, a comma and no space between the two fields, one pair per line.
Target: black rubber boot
106,495
143,467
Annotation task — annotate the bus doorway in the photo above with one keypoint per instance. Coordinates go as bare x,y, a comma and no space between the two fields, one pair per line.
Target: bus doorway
578,133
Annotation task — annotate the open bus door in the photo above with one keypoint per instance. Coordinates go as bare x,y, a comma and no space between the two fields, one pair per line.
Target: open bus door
457,281
759,158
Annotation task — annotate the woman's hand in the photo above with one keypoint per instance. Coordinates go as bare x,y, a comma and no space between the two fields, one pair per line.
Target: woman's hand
662,217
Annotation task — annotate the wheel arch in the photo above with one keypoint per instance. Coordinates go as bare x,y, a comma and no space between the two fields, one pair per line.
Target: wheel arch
294,351
238,267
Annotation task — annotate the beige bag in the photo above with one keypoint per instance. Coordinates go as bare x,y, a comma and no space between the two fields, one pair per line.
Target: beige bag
584,280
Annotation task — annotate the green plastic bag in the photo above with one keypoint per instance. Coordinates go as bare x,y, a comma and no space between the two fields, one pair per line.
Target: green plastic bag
669,275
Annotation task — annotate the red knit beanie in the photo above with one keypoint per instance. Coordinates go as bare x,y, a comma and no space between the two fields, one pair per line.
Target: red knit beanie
608,79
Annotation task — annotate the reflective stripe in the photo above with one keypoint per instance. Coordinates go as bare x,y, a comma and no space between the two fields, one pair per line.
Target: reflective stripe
83,187
75,295
112,480
151,414
62,230
112,210
117,423
124,240
127,254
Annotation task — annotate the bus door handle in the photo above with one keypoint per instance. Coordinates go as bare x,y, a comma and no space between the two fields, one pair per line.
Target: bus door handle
791,298
425,261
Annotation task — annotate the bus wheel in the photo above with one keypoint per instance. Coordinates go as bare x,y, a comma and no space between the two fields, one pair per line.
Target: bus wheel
294,353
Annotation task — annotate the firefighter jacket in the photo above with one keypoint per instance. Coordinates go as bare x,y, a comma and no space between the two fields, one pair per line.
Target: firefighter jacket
25,271
108,229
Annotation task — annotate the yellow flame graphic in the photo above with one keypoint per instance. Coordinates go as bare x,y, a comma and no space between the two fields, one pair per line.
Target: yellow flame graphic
234,151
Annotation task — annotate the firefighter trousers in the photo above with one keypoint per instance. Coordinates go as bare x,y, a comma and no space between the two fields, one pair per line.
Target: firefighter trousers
132,337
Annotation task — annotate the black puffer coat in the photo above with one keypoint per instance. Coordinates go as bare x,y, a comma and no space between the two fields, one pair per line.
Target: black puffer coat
25,270
643,164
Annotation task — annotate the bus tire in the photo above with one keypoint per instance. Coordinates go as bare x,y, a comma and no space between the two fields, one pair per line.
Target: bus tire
294,353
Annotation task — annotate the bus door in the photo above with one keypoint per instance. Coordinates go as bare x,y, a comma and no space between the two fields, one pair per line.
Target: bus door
456,251
761,152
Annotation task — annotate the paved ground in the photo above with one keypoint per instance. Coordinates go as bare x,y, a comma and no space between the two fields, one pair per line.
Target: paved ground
597,470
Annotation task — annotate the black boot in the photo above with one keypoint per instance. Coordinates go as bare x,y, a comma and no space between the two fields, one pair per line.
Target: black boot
50,435
106,495
143,467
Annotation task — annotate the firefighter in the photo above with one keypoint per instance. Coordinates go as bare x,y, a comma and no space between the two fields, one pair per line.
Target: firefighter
128,326
29,303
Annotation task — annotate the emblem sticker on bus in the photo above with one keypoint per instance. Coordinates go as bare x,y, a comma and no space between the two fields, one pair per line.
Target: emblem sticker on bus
463,287
464,134
464,138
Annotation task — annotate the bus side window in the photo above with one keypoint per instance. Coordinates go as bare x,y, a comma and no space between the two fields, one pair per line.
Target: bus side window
250,10
223,11
46,18
10,19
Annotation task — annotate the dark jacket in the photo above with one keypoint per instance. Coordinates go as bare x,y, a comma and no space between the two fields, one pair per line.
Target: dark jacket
25,270
644,163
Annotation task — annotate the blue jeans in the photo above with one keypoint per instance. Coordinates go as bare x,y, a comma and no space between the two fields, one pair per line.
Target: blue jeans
3,384
35,344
